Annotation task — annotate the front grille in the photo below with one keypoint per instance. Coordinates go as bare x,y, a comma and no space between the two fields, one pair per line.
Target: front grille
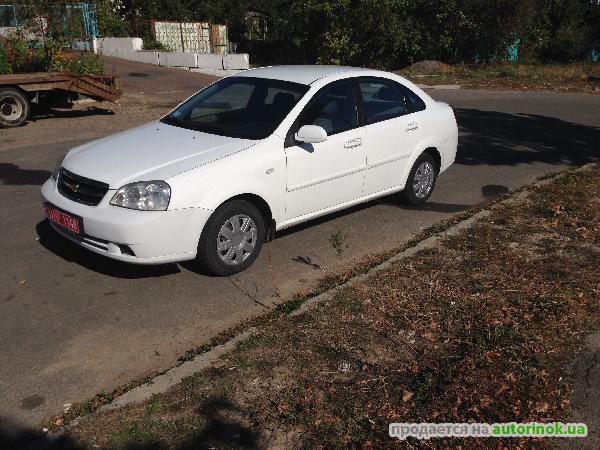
80,189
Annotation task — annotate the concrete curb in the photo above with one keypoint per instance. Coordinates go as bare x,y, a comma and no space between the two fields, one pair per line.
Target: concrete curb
175,375
441,87
165,381
424,244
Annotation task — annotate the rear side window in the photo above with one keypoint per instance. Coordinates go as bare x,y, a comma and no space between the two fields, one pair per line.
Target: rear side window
384,99
417,102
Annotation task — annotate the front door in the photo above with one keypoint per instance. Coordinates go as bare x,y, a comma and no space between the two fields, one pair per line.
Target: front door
329,173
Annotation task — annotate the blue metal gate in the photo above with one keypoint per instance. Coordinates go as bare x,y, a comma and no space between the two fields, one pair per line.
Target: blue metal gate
73,20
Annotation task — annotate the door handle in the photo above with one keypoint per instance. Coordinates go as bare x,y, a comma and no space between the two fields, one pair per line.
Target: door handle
353,143
412,126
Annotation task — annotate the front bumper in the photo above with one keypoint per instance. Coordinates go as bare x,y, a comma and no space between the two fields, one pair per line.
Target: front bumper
154,237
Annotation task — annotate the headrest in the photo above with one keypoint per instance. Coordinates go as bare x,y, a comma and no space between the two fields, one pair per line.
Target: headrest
331,108
283,100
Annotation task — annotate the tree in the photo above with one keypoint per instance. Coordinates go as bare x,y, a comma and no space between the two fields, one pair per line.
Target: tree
110,20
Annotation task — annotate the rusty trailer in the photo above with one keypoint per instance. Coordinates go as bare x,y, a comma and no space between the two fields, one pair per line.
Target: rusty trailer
18,91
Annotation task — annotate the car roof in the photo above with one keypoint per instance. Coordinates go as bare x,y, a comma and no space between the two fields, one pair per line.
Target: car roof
303,74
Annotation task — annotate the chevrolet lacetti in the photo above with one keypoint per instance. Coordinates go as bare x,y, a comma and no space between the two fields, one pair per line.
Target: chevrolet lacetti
246,156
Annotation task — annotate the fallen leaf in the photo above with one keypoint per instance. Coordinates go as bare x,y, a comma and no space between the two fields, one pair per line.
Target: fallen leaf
283,408
503,387
543,407
428,336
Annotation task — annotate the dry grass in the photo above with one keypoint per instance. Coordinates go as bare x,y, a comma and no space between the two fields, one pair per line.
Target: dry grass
480,329
577,77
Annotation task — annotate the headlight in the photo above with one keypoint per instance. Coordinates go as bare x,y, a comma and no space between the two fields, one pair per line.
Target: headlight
144,195
57,168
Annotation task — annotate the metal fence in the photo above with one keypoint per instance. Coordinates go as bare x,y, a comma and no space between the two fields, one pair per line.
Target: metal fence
192,37
72,20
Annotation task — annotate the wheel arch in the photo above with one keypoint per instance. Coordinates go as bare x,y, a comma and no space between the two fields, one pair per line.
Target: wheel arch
435,154
431,149
263,207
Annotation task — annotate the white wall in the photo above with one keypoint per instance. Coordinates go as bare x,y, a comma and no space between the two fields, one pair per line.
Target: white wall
148,57
131,49
236,61
119,45
177,59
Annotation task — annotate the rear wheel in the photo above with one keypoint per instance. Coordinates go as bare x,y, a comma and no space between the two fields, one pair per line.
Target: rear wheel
14,107
421,180
232,238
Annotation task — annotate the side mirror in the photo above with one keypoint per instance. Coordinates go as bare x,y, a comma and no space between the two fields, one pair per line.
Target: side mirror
311,134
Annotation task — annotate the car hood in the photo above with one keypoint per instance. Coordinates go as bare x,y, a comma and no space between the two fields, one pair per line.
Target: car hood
155,151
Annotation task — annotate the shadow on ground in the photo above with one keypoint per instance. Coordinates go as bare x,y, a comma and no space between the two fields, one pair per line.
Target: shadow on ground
222,427
15,437
11,174
72,252
495,139
41,113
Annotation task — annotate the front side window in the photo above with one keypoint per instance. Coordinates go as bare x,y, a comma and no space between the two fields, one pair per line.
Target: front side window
243,107
333,108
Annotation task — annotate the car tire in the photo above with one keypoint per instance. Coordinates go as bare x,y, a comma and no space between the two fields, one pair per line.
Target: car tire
14,107
421,180
225,246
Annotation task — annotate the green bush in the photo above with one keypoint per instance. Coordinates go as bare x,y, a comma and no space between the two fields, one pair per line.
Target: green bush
152,44
84,64
18,55
4,65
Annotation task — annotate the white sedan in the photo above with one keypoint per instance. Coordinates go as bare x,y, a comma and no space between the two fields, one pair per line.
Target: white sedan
246,156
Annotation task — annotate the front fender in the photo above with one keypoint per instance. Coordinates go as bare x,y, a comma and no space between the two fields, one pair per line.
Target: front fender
259,171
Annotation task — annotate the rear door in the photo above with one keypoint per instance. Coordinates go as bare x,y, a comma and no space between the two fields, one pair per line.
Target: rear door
393,131
329,173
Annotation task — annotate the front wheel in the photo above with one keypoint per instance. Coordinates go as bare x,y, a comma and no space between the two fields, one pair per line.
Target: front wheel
421,180
14,107
232,238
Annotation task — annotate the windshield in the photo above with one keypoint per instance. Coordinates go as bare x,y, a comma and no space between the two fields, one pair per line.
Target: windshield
242,107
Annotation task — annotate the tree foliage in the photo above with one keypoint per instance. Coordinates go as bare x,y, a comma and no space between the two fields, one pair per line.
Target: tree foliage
387,33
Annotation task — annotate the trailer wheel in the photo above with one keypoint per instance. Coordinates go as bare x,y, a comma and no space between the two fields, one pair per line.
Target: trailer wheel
14,107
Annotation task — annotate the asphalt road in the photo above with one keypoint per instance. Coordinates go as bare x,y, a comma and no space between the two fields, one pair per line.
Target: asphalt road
73,323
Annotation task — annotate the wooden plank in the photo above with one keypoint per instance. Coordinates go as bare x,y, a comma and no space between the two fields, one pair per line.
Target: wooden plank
27,78
32,87
101,86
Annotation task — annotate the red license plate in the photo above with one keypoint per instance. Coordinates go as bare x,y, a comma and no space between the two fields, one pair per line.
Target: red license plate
64,220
